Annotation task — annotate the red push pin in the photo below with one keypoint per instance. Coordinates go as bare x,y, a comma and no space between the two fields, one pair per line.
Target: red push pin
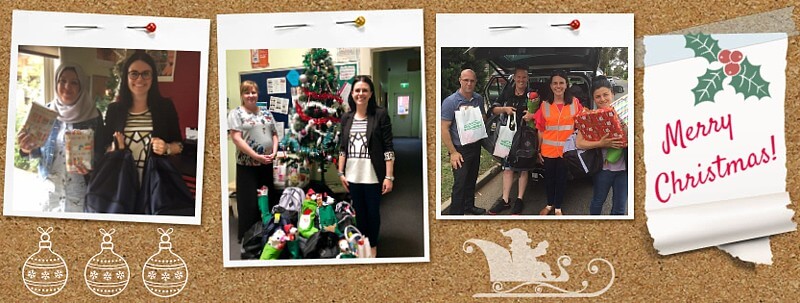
575,24
151,27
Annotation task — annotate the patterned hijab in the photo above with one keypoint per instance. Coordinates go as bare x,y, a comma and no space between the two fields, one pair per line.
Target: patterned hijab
84,108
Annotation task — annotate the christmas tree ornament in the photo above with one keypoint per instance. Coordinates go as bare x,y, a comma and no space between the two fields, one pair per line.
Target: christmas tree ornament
165,274
303,78
45,272
107,273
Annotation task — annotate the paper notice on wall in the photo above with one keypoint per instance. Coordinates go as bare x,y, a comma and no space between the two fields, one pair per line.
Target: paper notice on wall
346,72
714,142
279,129
276,85
279,105
346,54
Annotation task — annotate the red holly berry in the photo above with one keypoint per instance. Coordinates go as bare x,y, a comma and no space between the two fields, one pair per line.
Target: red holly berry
736,56
575,24
731,69
724,56
151,27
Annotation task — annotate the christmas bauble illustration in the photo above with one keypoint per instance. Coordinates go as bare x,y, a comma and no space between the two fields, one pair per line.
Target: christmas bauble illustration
165,274
45,272
107,273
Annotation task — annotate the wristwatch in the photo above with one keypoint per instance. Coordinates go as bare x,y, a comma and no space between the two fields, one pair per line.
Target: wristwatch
390,178
340,173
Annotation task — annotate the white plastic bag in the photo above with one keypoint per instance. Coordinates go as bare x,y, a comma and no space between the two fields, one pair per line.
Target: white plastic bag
505,137
469,122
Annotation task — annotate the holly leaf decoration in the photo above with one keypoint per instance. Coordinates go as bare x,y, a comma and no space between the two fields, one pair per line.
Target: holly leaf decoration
708,85
749,82
703,46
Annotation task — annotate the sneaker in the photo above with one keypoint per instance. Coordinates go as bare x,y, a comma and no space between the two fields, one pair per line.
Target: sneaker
474,211
499,206
517,209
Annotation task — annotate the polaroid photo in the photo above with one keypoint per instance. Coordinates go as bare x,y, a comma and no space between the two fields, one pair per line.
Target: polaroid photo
521,86
345,182
133,79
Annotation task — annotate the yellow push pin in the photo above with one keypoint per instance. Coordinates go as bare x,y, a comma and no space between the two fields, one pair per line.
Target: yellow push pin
359,22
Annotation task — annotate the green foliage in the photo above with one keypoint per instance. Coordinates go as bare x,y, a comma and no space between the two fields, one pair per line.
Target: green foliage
749,81
708,86
703,46
614,61
455,59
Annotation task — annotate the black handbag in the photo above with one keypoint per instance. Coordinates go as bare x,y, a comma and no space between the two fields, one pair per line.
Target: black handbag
525,148
253,241
114,185
583,163
163,189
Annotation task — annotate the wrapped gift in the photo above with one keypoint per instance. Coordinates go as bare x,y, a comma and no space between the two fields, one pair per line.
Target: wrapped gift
594,124
80,145
39,123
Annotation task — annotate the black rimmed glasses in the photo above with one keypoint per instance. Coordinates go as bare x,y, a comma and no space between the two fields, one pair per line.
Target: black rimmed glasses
146,75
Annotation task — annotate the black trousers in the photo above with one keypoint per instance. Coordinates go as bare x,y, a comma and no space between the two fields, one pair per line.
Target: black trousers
464,179
555,177
367,203
248,180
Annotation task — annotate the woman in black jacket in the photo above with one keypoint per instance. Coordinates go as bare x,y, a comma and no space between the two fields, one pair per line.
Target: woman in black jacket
142,117
366,157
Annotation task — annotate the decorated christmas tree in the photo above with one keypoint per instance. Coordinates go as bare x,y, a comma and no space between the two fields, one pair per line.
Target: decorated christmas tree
314,122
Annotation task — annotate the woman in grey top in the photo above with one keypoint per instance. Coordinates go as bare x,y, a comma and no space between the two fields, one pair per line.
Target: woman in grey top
253,132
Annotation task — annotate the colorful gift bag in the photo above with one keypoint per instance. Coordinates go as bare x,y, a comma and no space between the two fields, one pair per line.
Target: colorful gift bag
594,124
80,146
469,121
327,217
306,224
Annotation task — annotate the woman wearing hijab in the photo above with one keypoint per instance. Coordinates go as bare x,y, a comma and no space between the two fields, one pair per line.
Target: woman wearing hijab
76,111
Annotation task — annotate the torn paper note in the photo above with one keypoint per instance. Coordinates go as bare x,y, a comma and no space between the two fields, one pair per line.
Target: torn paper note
714,142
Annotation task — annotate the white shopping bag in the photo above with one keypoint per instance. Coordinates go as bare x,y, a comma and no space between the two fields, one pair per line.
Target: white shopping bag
471,128
505,137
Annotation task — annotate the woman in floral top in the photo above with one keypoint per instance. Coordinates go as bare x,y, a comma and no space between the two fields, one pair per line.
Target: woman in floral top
253,132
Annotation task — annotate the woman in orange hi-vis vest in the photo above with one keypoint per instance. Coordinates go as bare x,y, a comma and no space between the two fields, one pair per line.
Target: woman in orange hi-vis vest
555,120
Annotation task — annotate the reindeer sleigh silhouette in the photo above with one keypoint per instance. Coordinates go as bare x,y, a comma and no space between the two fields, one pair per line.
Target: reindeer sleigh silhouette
517,267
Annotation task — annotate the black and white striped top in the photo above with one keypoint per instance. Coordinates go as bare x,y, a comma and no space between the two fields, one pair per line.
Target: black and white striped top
138,132
359,167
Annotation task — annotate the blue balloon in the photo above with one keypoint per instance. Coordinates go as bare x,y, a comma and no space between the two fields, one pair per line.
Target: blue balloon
293,77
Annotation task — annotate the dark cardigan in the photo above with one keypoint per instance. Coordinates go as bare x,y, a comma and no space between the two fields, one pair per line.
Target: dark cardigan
379,138
165,121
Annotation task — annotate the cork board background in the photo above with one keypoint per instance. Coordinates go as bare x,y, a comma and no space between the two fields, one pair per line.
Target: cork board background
452,274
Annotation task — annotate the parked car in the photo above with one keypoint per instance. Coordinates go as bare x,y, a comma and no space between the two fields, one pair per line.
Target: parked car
580,63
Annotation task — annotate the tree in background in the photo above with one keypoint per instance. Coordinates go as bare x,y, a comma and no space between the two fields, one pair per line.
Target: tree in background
614,61
455,59
314,123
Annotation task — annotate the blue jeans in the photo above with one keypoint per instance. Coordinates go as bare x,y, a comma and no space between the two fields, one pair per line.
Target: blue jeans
605,180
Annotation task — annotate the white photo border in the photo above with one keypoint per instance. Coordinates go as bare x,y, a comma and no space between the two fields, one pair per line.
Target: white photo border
596,30
47,29
383,28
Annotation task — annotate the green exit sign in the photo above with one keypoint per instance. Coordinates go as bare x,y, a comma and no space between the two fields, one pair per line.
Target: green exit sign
404,85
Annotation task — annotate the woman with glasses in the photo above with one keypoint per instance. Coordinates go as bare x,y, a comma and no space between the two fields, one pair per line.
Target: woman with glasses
76,111
141,118
366,157
555,122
